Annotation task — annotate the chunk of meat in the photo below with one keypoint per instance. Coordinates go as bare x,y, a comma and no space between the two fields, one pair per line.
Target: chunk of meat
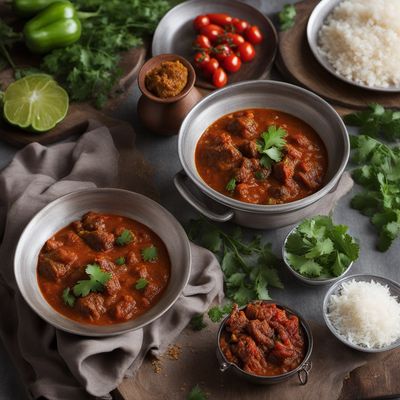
92,221
113,285
71,238
51,269
222,152
293,153
98,240
91,305
151,291
250,193
124,308
237,320
245,174
52,244
261,332
132,258
246,349
249,149
299,140
243,125
141,271
311,179
77,226
284,171
63,255
261,311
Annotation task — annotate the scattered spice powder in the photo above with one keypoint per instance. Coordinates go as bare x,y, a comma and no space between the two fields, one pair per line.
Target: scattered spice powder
173,352
156,364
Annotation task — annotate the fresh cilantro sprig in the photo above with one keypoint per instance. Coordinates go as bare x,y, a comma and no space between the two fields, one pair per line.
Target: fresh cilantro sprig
287,17
95,283
231,185
249,267
120,260
218,312
149,253
197,322
196,394
68,297
141,283
379,174
318,248
270,145
124,238
376,120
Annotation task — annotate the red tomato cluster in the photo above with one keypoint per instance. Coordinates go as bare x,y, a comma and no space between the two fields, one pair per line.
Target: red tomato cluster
222,44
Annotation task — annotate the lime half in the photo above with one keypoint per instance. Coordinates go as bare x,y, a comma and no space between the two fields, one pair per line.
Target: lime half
35,103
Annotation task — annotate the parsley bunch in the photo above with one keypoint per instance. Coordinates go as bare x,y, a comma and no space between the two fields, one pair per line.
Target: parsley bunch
249,267
271,145
379,174
287,17
376,120
319,248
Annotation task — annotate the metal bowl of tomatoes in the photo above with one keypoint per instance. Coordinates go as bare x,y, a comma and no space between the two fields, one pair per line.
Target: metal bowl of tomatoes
226,41
265,342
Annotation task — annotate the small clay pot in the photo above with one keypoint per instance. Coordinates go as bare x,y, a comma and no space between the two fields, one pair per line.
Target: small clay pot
165,116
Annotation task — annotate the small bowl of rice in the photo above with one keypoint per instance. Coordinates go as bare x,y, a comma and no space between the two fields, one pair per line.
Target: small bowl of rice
363,312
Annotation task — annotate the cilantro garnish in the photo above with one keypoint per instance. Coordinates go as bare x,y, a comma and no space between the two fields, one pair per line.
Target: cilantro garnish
149,253
271,145
95,283
319,248
218,312
68,297
287,17
141,283
196,394
120,261
379,174
124,238
197,322
376,120
249,267
231,185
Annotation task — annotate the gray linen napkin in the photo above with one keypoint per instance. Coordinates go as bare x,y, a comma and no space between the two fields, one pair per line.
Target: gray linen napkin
52,363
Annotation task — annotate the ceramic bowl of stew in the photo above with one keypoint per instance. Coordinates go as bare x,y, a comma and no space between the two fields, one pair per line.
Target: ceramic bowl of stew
252,343
226,176
102,262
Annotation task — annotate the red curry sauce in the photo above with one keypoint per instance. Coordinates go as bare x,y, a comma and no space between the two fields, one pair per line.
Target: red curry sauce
263,339
94,240
228,151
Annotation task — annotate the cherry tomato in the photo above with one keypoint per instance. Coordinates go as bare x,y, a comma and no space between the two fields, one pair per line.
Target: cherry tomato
232,63
212,31
254,35
221,51
220,19
239,25
202,42
210,67
219,78
246,52
200,21
201,58
231,39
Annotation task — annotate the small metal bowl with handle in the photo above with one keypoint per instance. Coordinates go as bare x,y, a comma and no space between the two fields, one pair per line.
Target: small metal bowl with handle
335,289
302,370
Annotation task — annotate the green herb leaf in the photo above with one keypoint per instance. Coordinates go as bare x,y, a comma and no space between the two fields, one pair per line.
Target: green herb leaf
98,279
124,238
287,17
68,297
271,145
217,313
197,394
150,253
120,261
141,283
231,185
197,322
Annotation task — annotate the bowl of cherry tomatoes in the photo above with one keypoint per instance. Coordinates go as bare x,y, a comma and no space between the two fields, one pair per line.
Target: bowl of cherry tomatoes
226,41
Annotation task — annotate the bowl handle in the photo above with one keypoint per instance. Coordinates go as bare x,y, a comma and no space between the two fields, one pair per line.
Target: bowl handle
303,373
180,184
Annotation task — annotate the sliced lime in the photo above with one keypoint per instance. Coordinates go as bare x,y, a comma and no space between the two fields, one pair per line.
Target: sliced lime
35,103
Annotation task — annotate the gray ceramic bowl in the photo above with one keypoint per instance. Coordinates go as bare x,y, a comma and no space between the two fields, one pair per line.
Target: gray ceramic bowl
302,370
71,207
394,289
261,94
304,279
315,22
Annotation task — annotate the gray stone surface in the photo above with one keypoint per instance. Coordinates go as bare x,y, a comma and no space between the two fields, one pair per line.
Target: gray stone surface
162,153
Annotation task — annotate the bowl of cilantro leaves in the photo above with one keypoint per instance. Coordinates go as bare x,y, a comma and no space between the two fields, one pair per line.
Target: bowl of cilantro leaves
319,252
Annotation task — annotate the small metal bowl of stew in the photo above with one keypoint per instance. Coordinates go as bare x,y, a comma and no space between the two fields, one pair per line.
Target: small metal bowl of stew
233,171
102,262
253,343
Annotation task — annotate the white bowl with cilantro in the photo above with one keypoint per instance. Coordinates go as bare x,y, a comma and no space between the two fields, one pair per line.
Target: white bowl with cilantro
319,252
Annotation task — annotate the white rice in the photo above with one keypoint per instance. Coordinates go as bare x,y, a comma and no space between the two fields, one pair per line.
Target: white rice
361,39
365,314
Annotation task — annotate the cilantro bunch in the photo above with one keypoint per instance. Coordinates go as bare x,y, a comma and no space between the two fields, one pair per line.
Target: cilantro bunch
249,267
287,17
271,145
318,248
379,174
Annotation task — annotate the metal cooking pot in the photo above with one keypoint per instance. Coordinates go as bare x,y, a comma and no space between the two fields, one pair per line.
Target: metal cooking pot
260,94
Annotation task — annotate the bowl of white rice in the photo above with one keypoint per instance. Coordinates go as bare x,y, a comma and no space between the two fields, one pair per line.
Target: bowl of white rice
358,41
363,312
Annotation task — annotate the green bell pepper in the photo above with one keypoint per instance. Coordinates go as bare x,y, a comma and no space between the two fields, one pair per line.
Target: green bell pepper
56,26
28,8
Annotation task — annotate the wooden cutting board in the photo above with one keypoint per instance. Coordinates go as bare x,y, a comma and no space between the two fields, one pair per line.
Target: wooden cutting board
297,64
79,113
